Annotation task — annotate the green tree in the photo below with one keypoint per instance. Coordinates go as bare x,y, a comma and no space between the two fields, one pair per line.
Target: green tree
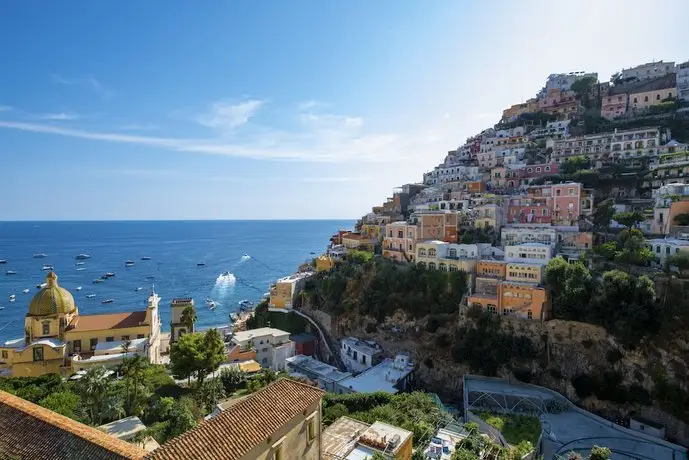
96,391
607,250
582,88
629,218
63,402
603,215
679,260
134,370
571,287
574,164
182,417
213,353
682,219
632,249
210,393
197,354
232,379
600,453
188,317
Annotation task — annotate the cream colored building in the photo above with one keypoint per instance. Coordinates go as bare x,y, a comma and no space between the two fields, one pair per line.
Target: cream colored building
285,290
399,242
279,422
438,255
524,272
537,253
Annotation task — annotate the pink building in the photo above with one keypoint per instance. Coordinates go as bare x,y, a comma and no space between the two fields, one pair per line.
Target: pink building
614,106
566,200
534,208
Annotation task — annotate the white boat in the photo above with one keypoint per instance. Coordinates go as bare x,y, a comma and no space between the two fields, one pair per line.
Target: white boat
83,257
41,286
90,296
96,281
129,263
107,301
3,261
145,258
47,267
201,264
26,291
12,298
10,272
138,289
78,288
79,264
212,305
40,256
2,308
81,269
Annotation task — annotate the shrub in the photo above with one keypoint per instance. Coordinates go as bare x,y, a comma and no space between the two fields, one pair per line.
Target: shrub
583,385
613,355
371,328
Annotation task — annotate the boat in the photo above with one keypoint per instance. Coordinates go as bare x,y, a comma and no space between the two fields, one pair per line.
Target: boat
2,308
208,300
47,267
83,257
145,258
90,296
201,264
10,272
150,277
3,261
109,274
12,298
97,280
40,256
104,277
41,285
26,291
129,263
78,288
81,269
245,303
79,264
138,289
107,301
211,304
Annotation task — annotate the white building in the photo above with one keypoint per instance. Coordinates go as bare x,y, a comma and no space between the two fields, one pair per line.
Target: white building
665,247
359,355
595,146
337,251
554,129
529,253
451,173
638,142
516,234
327,376
648,71
564,81
272,346
390,376
683,81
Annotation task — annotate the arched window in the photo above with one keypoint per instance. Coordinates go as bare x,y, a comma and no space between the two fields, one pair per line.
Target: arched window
442,267
453,268
431,266
432,253
422,252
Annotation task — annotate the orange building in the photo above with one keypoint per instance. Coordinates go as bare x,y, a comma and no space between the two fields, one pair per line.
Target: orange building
474,186
511,298
491,268
437,225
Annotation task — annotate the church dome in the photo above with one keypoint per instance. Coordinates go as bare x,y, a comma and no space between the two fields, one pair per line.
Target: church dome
51,299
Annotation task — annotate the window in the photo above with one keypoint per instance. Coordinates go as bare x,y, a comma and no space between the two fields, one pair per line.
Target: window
557,192
529,314
261,342
667,250
645,98
363,359
38,354
669,94
76,346
125,337
139,336
109,339
635,101
356,357
311,428
265,349
570,191
547,168
657,97
93,344
4,354
492,309
46,328
538,169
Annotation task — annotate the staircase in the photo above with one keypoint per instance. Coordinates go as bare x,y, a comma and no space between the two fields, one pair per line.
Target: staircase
329,342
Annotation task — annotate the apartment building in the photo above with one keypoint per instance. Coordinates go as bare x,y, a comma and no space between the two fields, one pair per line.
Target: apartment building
281,421
553,129
272,346
451,173
511,298
560,102
665,247
683,81
653,92
359,355
438,255
564,81
513,112
524,272
356,241
400,241
537,253
285,290
347,438
489,216
534,208
436,225
615,104
595,146
389,376
566,202
648,71
531,172
491,269
638,142
517,234
328,377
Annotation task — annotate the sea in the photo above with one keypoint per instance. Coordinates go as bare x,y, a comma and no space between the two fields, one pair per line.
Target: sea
240,260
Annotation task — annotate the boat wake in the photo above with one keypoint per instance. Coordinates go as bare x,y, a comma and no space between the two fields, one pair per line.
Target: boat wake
244,258
225,280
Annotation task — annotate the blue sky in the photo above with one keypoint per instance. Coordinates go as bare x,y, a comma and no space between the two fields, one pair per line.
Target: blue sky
310,109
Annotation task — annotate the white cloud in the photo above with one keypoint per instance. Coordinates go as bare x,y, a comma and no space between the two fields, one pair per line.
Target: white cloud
229,116
88,81
59,116
5,108
310,104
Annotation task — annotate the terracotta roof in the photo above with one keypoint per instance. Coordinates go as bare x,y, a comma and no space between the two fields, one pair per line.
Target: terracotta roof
234,432
32,432
108,321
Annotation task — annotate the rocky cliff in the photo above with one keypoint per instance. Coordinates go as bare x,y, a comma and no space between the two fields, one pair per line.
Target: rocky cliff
581,361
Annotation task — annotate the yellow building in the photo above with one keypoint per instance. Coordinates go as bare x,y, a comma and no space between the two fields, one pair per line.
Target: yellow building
349,438
324,263
59,340
526,273
353,240
510,298
285,290
438,255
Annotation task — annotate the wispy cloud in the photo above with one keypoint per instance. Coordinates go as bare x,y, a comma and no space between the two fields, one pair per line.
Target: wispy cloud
5,108
59,116
137,127
310,104
88,81
317,137
223,115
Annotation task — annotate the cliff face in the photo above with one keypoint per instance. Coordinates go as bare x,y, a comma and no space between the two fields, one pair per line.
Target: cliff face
581,361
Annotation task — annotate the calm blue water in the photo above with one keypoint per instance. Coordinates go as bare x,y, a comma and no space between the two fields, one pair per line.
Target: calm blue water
275,249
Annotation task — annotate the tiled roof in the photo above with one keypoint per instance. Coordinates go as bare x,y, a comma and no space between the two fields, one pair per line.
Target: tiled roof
32,432
84,323
234,432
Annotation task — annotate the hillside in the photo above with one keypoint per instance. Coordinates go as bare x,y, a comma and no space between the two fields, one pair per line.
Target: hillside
393,305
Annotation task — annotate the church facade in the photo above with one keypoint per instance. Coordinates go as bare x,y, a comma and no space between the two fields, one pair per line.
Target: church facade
57,339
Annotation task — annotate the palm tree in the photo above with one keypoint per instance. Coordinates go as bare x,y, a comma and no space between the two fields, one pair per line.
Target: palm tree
134,378
93,389
188,318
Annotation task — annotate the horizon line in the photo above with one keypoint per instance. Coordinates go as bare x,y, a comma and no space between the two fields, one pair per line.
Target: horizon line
258,219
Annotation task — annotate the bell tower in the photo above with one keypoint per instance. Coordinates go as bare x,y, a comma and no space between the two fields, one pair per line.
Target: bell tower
179,324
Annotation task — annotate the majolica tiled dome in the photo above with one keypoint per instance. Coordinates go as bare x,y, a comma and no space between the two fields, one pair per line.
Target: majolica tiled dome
51,299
